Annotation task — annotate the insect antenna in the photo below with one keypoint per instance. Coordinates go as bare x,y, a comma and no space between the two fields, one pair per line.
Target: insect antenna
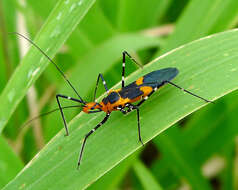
61,72
47,113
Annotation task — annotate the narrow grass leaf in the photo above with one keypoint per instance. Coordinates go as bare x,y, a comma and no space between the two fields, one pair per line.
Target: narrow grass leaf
130,19
145,176
112,179
10,164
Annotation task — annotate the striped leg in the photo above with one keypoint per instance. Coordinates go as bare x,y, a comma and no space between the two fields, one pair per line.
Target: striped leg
88,134
130,108
61,110
124,53
104,84
133,107
138,123
208,101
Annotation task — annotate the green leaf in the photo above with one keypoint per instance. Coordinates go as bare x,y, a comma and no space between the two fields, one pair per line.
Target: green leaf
85,38
147,179
61,22
204,134
194,22
208,67
130,19
227,176
10,164
181,158
3,70
207,140
163,7
162,172
111,179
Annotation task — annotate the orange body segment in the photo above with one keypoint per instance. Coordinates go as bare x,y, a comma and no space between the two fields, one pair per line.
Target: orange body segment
91,106
139,81
146,90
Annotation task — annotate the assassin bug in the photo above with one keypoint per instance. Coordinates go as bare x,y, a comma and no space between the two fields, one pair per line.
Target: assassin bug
119,99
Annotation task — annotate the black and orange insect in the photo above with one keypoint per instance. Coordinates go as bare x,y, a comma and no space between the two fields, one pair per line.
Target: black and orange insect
120,99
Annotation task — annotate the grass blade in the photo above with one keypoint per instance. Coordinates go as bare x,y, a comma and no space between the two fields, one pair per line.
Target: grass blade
9,162
147,179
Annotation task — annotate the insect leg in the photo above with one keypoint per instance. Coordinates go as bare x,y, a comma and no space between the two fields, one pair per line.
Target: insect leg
122,110
88,134
138,123
104,84
146,97
61,111
189,92
130,108
124,53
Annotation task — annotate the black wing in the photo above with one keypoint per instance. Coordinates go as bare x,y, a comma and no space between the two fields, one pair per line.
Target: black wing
158,77
153,79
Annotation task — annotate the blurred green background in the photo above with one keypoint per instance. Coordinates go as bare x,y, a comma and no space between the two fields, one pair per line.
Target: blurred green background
200,149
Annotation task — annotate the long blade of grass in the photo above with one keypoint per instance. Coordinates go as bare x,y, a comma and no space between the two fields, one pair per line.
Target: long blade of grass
146,177
127,21
227,176
9,162
205,68
112,178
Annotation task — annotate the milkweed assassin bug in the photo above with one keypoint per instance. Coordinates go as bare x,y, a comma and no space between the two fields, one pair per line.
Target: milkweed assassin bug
120,99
